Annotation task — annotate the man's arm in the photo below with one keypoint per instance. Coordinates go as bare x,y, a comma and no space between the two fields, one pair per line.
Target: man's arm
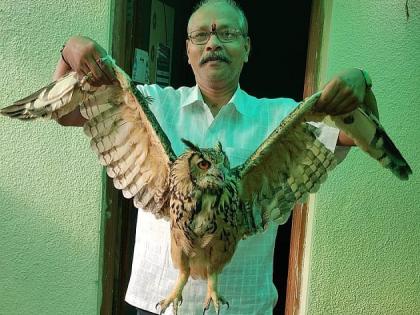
82,55
344,140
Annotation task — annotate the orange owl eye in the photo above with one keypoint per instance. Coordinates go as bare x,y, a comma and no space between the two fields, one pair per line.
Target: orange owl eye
204,165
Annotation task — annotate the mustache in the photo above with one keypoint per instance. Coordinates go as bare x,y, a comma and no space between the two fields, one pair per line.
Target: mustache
214,57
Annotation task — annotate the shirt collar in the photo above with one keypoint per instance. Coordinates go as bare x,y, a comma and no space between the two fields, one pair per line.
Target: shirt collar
237,100
193,97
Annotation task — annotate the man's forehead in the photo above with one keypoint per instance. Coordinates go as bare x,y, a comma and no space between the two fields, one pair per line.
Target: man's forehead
222,15
214,26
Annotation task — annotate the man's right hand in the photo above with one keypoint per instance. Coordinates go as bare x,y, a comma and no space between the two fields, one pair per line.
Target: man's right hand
84,56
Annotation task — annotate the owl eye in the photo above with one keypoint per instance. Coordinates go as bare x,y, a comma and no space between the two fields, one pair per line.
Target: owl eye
204,165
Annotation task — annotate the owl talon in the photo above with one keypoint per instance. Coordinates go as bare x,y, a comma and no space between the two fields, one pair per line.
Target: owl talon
163,304
217,301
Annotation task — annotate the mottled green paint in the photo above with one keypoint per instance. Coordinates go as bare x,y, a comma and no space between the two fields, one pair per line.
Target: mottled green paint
365,246
50,182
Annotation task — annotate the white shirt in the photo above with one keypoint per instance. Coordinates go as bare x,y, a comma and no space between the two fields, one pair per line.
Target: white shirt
241,126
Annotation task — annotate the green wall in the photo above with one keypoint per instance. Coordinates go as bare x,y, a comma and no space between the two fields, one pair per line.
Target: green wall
50,182
365,245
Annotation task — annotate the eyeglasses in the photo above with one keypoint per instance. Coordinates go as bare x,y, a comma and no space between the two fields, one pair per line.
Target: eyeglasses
225,36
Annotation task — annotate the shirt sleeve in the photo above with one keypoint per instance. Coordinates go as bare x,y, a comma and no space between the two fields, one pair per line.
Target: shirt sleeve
328,136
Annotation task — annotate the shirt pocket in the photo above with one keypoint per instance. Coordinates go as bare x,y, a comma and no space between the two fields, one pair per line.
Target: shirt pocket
237,156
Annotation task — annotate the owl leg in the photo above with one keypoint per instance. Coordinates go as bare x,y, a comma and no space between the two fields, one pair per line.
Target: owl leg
213,295
175,297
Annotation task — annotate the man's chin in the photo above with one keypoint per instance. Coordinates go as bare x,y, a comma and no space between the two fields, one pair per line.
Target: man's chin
215,72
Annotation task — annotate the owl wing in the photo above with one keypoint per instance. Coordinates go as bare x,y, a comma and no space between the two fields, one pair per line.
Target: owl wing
291,162
124,133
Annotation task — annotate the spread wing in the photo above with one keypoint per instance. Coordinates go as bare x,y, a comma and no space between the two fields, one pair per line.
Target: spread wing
124,133
291,162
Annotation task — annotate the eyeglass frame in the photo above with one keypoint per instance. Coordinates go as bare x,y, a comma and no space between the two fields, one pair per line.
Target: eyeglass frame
214,32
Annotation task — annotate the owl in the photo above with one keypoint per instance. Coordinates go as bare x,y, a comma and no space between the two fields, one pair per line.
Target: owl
210,205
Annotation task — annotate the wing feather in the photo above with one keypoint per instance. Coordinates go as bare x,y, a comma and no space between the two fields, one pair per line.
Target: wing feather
124,133
101,124
368,134
133,146
52,101
115,136
291,162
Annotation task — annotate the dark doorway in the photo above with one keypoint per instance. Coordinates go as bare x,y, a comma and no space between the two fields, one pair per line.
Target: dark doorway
276,68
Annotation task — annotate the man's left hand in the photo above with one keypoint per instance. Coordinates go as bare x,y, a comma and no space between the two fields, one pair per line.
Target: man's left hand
343,94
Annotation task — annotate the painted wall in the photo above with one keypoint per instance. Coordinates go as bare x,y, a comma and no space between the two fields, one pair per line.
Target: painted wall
50,183
365,246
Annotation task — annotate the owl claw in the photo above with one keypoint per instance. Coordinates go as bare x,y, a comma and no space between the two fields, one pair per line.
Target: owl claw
163,305
217,301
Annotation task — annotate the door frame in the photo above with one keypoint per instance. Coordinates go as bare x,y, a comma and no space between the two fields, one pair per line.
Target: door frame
300,216
115,227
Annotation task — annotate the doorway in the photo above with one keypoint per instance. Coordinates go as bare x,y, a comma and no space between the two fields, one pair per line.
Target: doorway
276,67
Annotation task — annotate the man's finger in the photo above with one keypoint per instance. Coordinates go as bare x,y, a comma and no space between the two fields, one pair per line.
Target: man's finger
105,66
327,95
352,106
97,75
342,105
83,71
336,105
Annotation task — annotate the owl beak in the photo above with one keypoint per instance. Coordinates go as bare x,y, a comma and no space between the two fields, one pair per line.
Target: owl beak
217,174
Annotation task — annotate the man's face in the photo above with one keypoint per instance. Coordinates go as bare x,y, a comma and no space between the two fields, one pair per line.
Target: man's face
216,61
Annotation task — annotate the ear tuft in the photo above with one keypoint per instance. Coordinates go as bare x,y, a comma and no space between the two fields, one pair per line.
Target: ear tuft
190,145
218,147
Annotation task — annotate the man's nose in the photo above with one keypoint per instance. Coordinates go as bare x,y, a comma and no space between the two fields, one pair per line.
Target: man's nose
213,41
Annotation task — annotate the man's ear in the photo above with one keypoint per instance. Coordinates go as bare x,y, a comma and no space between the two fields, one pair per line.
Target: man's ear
187,49
247,48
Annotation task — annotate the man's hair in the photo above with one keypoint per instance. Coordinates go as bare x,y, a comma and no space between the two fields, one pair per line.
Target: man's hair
232,3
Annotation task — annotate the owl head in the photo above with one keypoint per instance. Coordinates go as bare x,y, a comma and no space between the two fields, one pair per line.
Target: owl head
208,167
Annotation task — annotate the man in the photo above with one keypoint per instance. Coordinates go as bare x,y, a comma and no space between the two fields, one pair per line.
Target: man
216,109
